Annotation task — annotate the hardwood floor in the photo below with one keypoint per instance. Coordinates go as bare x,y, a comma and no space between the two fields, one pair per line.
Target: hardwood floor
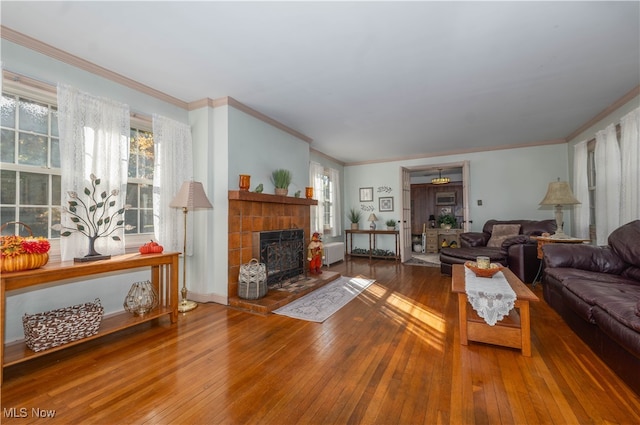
391,356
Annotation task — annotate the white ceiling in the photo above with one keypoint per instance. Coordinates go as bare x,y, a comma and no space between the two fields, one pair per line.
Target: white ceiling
367,80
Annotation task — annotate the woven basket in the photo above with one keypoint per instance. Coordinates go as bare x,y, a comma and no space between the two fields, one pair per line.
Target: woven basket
57,327
252,280
493,269
23,261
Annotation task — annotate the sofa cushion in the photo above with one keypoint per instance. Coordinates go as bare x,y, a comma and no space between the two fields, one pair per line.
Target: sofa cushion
501,232
537,228
622,308
625,336
470,254
586,277
632,272
618,299
582,256
584,309
624,242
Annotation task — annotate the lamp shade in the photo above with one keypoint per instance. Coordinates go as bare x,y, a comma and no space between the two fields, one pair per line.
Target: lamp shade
372,217
559,193
191,196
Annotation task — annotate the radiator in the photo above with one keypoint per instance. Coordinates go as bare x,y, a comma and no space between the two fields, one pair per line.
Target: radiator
333,252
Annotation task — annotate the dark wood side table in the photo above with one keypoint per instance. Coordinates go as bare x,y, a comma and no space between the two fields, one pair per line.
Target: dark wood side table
348,246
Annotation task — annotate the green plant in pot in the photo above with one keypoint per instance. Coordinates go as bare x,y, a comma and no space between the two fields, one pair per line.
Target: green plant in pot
354,217
447,221
281,180
391,224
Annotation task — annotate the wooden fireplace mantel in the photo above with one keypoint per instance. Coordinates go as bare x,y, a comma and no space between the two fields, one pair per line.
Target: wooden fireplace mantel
241,195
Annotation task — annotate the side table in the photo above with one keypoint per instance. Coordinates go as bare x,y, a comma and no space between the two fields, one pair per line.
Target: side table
543,240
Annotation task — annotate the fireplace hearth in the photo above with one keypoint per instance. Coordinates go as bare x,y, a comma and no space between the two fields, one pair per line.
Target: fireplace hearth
282,251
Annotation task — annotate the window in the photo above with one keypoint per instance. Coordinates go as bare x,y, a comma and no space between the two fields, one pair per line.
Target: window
327,202
591,176
29,153
30,164
326,186
140,183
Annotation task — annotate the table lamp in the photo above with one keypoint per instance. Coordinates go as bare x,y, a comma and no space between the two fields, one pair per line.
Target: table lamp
191,196
372,219
559,194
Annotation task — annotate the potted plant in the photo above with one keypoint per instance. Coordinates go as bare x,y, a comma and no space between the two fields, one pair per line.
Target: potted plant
354,217
391,224
281,179
447,221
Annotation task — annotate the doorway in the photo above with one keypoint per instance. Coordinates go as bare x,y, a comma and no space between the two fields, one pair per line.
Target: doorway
428,201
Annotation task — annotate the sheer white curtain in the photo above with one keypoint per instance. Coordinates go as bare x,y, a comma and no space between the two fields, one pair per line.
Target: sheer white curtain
94,139
336,229
581,190
316,172
173,165
630,153
607,158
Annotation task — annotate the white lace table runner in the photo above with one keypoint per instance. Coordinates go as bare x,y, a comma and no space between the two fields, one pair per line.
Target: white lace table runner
492,298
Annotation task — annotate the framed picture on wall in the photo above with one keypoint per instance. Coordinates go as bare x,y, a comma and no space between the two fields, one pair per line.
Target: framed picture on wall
385,203
366,194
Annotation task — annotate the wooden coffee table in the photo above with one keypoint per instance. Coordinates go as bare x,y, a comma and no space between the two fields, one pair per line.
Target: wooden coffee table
512,331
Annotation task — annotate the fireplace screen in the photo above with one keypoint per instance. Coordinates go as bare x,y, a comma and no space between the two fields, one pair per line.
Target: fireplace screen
282,251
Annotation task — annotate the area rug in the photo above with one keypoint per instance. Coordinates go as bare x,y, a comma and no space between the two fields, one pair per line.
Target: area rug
428,260
320,304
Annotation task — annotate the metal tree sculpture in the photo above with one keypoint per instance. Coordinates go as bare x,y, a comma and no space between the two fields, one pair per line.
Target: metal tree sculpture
93,218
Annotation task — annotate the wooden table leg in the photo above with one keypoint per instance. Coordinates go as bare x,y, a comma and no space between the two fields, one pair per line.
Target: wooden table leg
525,328
462,318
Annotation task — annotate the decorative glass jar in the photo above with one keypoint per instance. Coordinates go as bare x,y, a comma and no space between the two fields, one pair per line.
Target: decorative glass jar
141,299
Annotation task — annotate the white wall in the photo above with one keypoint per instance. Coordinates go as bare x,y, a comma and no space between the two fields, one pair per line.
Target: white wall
510,183
258,148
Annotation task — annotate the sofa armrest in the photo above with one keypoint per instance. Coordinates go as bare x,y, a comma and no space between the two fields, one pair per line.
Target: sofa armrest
584,257
474,239
517,240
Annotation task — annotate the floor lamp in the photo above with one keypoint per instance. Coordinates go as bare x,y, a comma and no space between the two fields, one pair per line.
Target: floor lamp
191,196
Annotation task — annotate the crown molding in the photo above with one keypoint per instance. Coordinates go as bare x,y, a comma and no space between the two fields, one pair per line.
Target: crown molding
461,152
75,61
606,111
230,101
324,155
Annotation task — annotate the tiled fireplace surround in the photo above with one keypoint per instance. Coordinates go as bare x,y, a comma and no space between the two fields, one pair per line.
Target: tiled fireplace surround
251,212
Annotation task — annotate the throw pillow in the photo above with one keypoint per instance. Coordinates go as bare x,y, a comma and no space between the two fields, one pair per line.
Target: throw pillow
501,232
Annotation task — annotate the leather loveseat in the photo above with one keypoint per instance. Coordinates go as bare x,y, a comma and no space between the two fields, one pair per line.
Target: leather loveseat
513,247
596,290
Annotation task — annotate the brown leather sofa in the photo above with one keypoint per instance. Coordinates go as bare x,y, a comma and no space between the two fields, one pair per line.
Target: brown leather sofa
518,252
596,290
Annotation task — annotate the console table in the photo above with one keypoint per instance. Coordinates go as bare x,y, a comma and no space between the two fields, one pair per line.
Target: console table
164,276
432,239
372,242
